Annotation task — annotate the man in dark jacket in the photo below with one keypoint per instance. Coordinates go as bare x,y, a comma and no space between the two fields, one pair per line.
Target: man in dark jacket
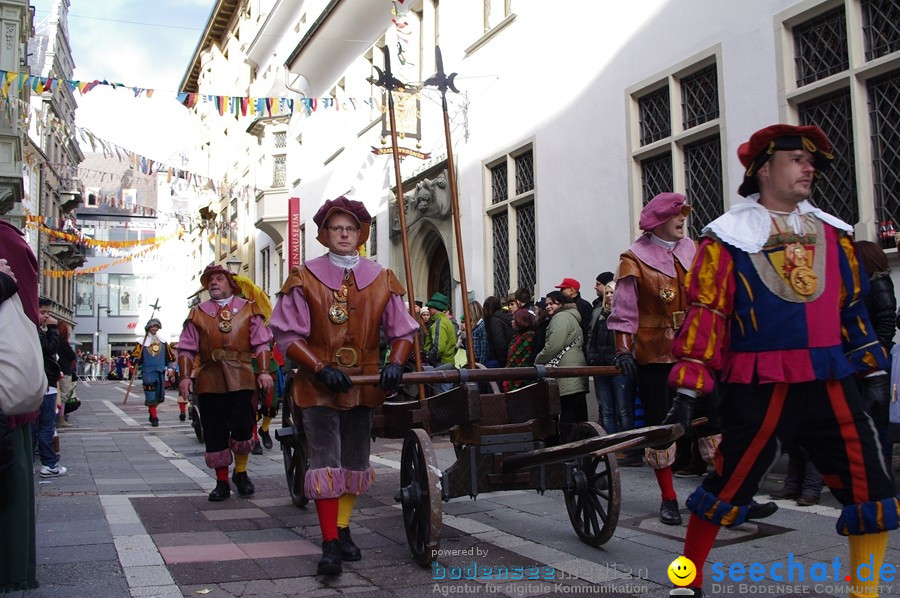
49,336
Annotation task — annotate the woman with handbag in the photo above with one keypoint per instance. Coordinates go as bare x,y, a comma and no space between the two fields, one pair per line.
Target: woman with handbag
563,347
18,559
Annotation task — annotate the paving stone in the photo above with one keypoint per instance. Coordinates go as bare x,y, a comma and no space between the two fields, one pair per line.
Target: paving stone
152,575
216,572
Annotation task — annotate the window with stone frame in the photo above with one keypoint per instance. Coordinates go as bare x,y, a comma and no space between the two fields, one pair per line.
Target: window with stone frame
264,265
675,141
511,200
855,45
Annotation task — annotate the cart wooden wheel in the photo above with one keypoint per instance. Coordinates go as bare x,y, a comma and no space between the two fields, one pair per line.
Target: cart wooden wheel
420,496
593,495
293,451
196,422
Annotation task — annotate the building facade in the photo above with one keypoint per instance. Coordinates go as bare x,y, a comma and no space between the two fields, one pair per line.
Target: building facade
566,123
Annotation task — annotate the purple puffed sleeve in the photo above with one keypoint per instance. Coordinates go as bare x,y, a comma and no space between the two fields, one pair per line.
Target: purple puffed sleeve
260,335
290,318
396,320
189,341
624,314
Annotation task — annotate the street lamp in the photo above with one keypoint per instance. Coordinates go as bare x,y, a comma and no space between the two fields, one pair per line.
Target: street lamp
233,265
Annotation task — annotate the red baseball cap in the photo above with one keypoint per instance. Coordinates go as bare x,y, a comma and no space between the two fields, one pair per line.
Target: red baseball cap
569,283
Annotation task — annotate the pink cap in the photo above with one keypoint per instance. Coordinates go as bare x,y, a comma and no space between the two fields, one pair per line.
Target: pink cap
661,208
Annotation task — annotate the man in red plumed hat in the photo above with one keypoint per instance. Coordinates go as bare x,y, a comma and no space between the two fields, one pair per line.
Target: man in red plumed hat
221,336
327,321
774,306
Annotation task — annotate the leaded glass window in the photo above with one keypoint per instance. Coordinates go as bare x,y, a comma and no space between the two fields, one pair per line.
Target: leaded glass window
820,46
524,172
703,176
700,97
500,229
655,118
881,27
373,238
835,189
884,115
527,250
656,176
499,189
279,170
280,140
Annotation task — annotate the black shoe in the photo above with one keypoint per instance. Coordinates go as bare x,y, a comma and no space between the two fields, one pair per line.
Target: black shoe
257,449
761,511
243,483
182,416
691,471
154,422
221,491
330,563
266,438
668,512
785,494
349,550
807,500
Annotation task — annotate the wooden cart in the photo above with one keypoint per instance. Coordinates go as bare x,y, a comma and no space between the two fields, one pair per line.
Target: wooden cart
503,441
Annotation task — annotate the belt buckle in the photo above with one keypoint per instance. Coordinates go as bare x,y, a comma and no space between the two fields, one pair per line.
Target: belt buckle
218,355
678,319
339,357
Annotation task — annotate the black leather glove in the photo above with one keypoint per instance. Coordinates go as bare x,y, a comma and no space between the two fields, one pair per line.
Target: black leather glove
390,376
626,363
334,379
876,398
682,412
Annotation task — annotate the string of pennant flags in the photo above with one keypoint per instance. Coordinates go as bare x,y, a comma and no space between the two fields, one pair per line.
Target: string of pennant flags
35,222
100,267
12,83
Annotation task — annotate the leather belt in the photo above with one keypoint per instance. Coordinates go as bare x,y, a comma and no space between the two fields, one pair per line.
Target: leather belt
347,357
673,320
225,355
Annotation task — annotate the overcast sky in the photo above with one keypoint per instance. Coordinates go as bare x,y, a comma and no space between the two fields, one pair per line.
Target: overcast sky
140,43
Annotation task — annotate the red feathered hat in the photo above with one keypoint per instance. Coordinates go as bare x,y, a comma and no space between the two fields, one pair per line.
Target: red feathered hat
762,144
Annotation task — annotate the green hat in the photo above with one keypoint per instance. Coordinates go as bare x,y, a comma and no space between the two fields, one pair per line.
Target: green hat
439,301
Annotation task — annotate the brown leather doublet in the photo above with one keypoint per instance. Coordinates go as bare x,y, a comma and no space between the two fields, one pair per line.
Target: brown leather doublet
352,346
223,362
661,308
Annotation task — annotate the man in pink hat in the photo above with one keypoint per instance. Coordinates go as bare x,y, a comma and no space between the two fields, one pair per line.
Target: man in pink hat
327,321
648,308
219,339
776,317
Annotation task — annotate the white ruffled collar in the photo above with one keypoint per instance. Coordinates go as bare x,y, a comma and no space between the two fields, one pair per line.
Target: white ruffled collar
747,224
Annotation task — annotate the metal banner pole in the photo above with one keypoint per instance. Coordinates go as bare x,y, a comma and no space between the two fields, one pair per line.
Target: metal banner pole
387,81
445,82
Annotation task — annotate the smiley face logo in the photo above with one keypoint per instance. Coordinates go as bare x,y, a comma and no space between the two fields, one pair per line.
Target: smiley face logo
682,571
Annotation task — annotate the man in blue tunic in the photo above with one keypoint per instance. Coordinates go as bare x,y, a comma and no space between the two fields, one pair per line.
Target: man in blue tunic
153,355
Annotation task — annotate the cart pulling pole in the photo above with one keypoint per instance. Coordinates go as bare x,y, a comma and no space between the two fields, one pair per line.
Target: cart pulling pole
445,82
387,81
461,376
599,445
155,306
